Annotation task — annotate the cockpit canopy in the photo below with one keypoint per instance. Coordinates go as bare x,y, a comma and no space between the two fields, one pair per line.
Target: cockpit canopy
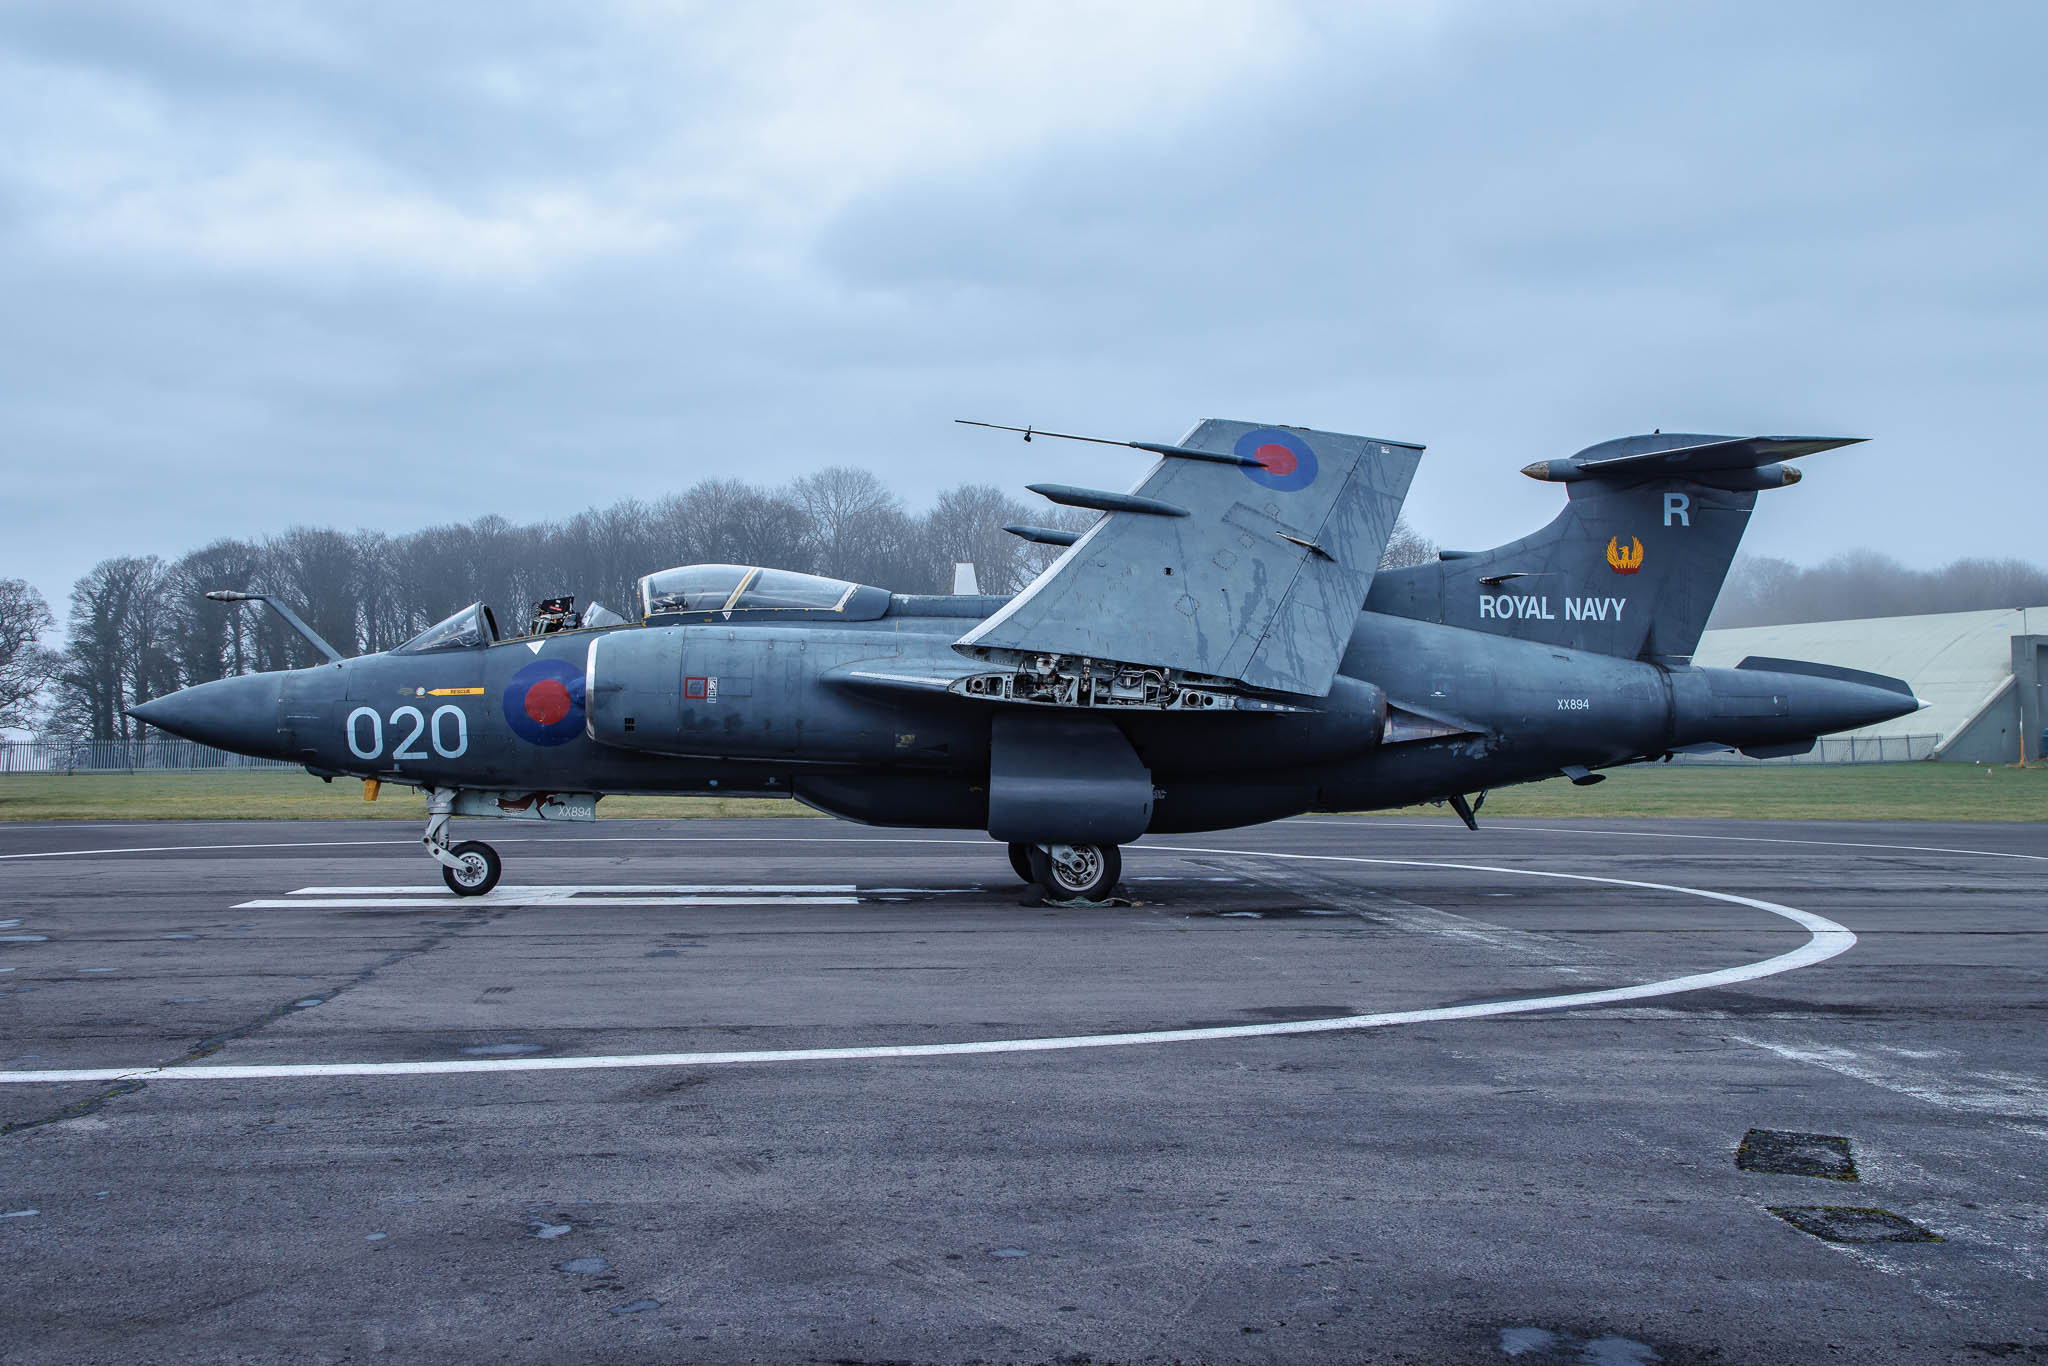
724,590
465,630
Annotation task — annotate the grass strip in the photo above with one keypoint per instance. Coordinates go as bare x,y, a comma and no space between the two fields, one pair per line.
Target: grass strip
1904,792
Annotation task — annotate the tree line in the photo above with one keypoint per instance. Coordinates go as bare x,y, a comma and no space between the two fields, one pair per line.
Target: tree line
1763,591
140,627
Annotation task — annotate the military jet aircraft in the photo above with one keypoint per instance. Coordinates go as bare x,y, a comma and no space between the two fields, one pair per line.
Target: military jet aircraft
1219,648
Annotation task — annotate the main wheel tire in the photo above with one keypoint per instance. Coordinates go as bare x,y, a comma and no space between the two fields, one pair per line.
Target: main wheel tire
479,872
1020,859
1082,872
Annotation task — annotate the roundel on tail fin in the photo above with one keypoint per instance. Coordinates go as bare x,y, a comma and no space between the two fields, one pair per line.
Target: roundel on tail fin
1286,464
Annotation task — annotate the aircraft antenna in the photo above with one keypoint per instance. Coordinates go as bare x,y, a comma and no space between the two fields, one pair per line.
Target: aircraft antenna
1154,447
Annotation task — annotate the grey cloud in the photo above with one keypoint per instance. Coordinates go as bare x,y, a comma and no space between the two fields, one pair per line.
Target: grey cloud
1509,243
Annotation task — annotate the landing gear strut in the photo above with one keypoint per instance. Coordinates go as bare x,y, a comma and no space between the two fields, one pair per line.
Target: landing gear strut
470,868
1074,872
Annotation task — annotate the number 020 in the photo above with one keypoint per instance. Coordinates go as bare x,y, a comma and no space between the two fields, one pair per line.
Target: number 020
447,730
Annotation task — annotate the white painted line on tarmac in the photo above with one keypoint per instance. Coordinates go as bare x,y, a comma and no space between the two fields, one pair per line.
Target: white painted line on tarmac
540,896
440,889
427,896
1825,939
2016,1094
201,848
1370,822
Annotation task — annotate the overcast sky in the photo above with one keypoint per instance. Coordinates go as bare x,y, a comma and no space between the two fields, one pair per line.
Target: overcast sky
384,265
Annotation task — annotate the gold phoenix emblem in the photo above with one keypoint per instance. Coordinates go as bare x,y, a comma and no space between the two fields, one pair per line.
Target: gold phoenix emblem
1624,561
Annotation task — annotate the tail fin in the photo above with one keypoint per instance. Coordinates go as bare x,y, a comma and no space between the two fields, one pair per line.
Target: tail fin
1633,564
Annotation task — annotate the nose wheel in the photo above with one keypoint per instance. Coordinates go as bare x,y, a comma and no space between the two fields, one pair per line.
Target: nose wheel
1075,872
475,870
470,868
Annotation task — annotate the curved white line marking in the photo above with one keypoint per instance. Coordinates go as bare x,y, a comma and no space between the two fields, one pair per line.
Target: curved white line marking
1826,939
1370,822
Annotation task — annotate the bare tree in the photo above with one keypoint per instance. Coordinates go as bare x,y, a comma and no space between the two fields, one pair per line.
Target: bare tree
26,667
1406,547
209,640
860,531
121,645
966,524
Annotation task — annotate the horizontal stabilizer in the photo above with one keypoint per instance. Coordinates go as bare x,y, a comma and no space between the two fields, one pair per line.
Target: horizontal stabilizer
1682,455
1258,579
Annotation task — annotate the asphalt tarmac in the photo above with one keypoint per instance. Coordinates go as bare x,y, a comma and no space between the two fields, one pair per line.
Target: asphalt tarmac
704,1091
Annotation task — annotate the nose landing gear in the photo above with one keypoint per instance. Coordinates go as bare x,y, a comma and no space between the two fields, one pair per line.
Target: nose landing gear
470,868
1069,872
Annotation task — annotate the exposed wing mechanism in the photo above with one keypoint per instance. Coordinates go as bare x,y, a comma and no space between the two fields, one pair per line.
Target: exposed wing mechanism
1240,561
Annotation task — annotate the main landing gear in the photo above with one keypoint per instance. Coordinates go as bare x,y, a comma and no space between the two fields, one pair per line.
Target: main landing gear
470,868
1069,872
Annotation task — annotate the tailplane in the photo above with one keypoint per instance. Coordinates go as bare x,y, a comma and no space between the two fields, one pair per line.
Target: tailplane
1633,564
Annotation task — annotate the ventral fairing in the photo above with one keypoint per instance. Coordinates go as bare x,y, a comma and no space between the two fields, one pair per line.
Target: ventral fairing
1219,648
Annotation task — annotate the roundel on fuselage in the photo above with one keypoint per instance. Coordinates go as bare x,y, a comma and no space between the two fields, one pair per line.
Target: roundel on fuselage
1286,464
544,702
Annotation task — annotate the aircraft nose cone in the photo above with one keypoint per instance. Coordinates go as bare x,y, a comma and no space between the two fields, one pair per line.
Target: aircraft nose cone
238,714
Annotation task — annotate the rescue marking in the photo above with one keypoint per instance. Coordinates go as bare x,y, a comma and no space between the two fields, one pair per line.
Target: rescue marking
1825,940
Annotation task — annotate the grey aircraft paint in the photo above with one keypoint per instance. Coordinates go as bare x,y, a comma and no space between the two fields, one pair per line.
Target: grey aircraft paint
1194,661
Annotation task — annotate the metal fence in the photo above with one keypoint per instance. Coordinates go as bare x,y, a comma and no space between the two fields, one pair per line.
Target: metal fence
122,756
1844,749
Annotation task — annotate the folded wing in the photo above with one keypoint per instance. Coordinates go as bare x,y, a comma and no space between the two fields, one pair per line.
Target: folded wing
1244,555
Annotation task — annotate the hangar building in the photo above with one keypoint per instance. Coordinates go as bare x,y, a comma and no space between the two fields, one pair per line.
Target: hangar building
1984,674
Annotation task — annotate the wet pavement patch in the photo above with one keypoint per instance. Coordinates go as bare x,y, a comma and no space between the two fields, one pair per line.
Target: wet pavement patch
585,1266
1532,1345
1853,1224
1782,1152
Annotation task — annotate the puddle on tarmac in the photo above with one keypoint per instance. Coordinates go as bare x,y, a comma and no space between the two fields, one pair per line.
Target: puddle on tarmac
1541,1345
501,1050
585,1266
